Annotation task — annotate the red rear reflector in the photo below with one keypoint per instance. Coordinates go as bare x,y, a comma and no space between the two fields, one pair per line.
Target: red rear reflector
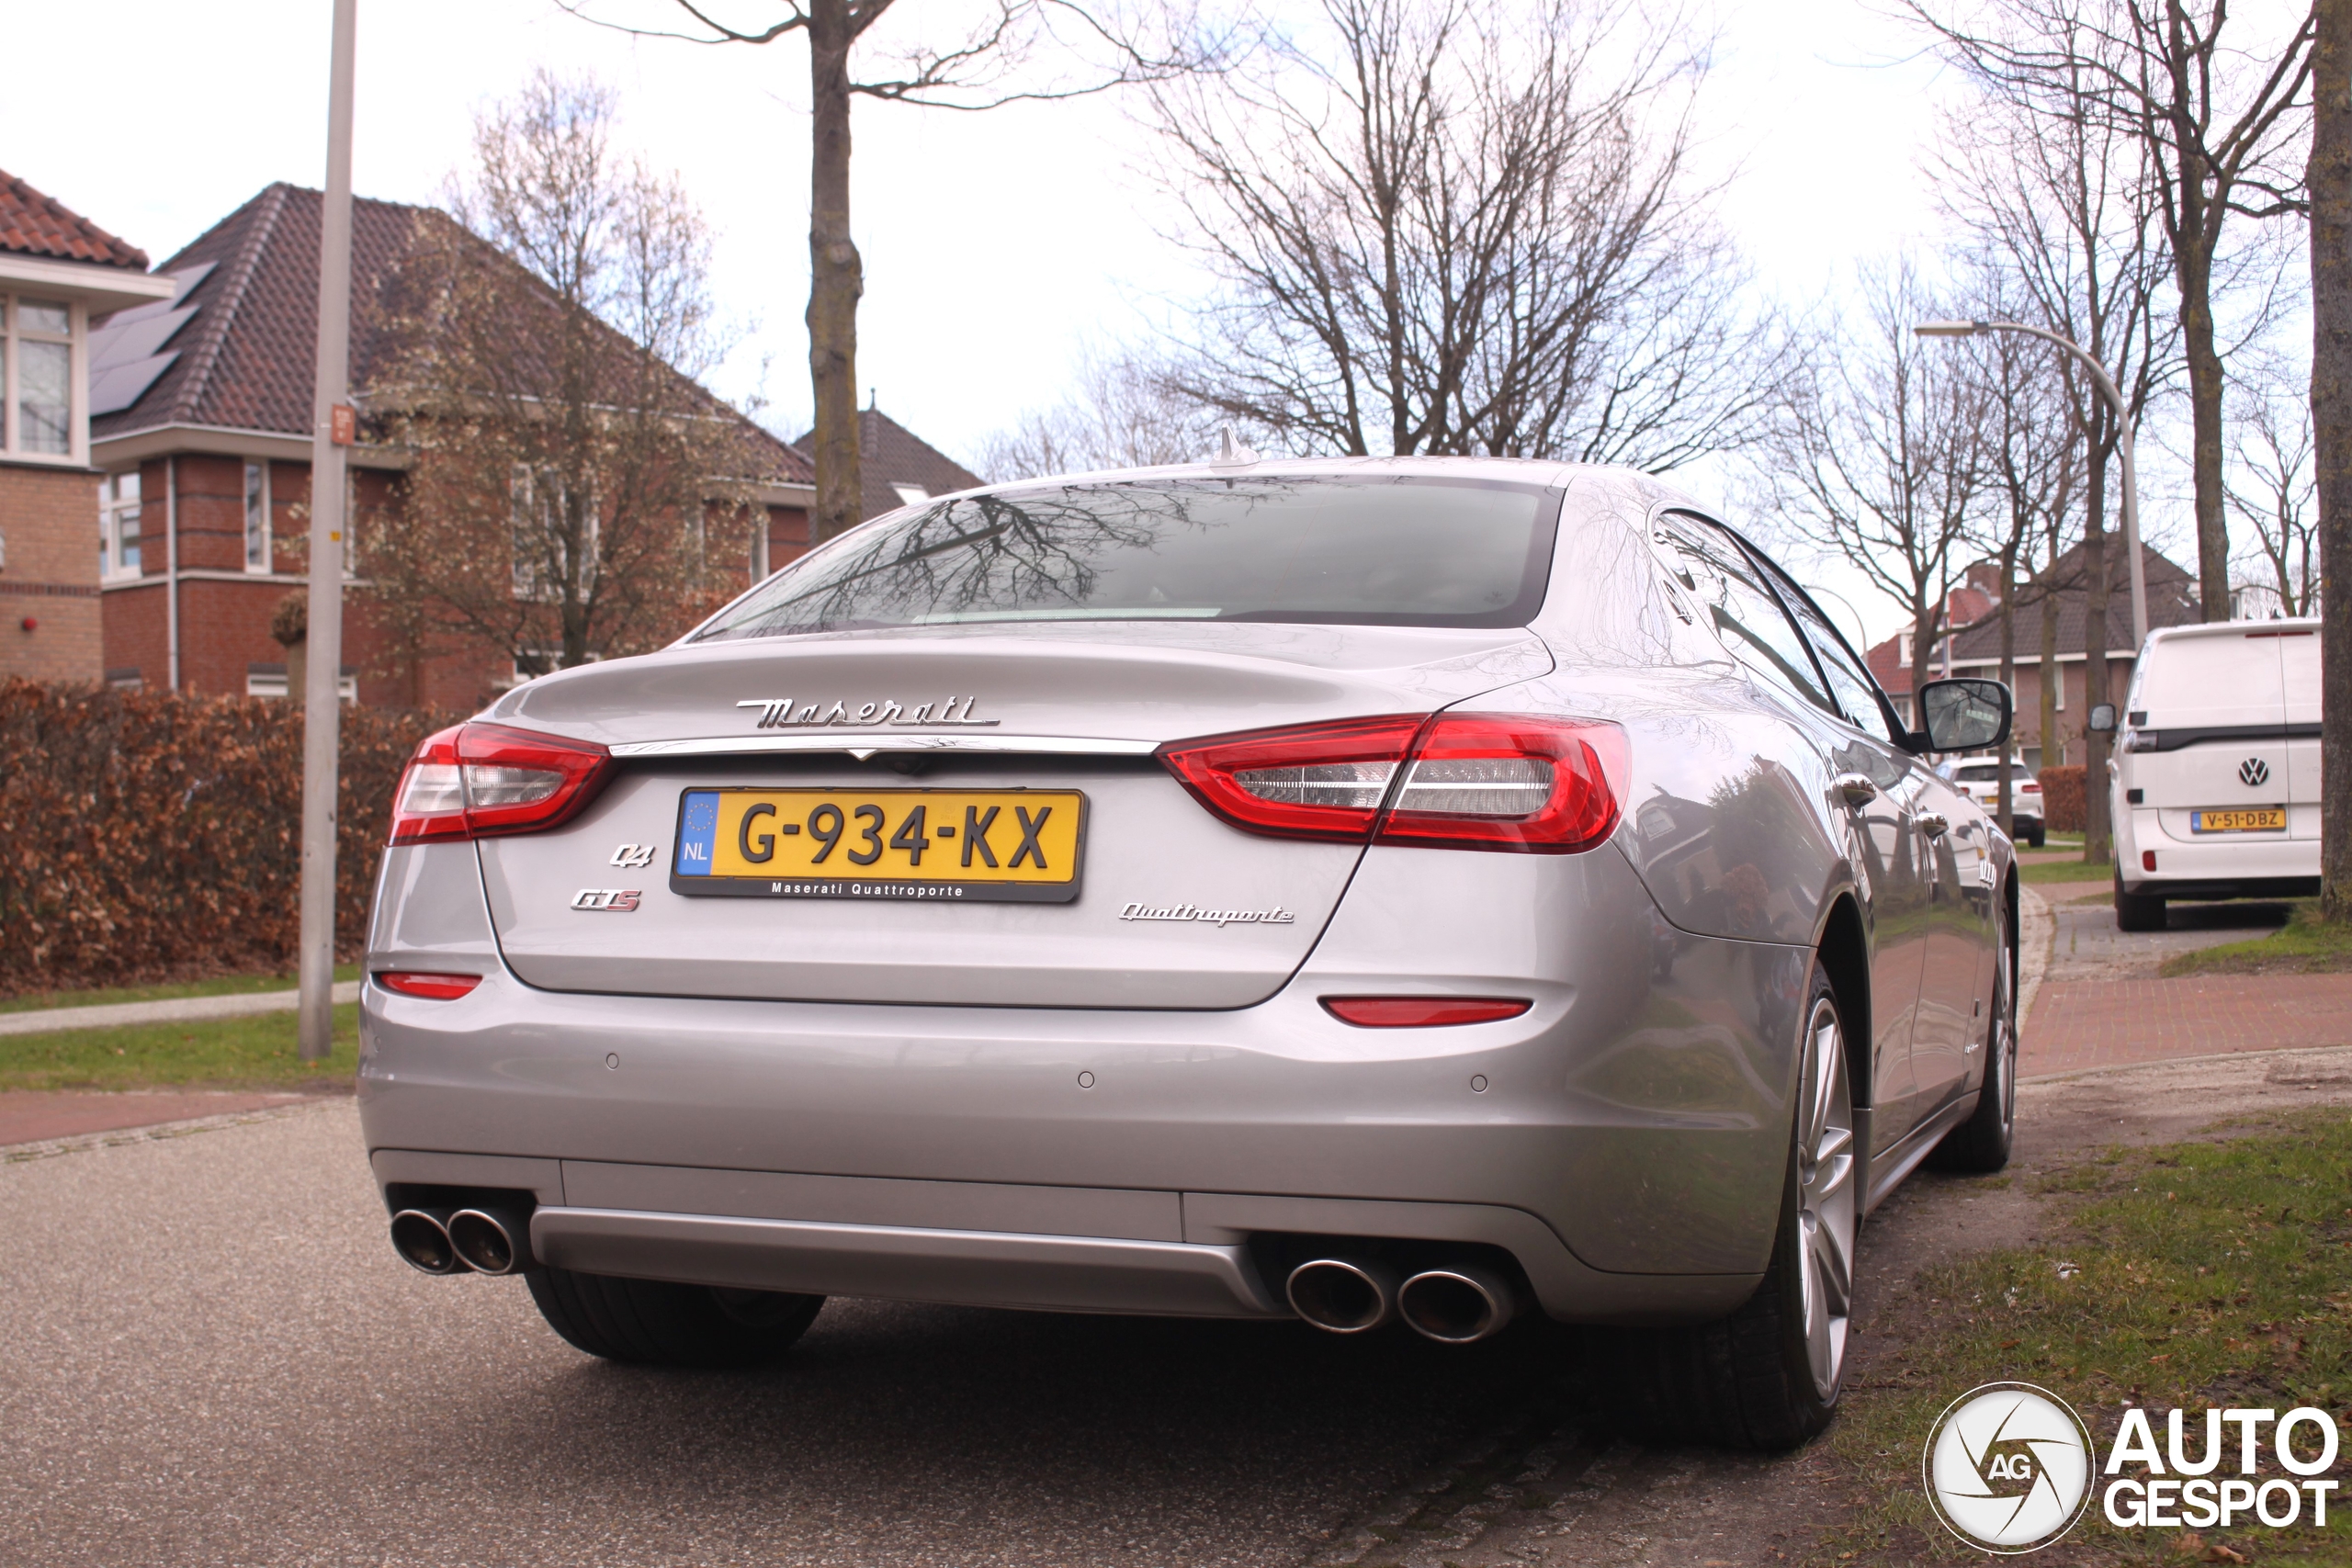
1421,1012
2147,860
1514,782
434,987
475,780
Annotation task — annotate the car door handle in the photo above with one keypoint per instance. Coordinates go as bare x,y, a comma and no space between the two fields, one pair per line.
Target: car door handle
1934,824
1857,788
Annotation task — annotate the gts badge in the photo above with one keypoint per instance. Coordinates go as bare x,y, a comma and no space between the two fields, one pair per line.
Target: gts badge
634,856
607,900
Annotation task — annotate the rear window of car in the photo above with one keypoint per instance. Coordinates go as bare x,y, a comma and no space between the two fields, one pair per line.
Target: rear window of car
1386,551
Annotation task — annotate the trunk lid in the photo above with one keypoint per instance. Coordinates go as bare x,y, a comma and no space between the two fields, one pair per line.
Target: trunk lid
1170,908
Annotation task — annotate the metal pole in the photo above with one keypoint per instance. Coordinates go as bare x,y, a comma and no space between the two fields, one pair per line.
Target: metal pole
321,694
2114,395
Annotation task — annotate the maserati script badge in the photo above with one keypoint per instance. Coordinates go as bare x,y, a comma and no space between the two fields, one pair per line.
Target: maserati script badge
778,713
1277,916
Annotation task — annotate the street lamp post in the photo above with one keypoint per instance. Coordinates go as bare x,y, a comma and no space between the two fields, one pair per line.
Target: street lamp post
2114,396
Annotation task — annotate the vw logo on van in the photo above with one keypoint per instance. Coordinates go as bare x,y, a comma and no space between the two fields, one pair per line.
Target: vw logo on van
2253,772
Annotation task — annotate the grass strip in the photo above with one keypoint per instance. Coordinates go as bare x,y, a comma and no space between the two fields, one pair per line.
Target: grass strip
2304,945
219,985
253,1051
2072,869
2193,1275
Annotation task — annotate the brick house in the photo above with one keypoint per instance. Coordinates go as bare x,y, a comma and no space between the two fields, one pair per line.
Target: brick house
200,430
1975,648
58,271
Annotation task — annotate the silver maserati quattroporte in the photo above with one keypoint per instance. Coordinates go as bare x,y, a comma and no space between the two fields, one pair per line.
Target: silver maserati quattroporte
1433,891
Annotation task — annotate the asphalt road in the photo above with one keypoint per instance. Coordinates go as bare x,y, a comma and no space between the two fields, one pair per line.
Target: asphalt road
214,1357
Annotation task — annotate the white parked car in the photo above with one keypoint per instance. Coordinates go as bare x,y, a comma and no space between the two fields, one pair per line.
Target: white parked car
2215,783
1980,780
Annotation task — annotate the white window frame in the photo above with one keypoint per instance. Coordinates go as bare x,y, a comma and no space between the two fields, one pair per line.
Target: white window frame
112,508
255,495
76,338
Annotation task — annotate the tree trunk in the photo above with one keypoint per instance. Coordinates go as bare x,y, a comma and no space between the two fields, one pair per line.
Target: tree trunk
2331,197
2054,750
836,277
2196,273
2096,847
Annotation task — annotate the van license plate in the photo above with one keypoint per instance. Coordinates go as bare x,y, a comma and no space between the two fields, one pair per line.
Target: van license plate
2267,819
952,845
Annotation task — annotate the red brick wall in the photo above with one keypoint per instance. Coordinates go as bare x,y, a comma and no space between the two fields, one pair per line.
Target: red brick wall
51,627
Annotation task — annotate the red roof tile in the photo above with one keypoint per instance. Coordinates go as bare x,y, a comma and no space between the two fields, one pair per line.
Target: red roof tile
37,225
890,455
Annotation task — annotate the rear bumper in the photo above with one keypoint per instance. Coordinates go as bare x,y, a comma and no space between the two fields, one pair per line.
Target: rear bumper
2222,866
1625,1141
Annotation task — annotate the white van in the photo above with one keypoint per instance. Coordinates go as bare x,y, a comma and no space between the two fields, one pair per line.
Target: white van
2215,776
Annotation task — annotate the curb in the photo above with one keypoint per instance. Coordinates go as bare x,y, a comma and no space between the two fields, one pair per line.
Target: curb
17,1154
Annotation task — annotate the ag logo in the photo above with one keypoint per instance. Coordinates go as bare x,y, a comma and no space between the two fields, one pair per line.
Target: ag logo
2253,772
2008,1467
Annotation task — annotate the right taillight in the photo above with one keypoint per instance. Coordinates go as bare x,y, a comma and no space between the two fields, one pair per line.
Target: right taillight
1510,781
476,779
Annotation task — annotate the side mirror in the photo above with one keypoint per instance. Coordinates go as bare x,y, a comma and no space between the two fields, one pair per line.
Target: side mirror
1964,714
2102,719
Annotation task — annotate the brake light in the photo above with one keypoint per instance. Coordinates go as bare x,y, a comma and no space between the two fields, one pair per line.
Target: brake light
433,987
2028,789
1421,1012
476,779
1510,781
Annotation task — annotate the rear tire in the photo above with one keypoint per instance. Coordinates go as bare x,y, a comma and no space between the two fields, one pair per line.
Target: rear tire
2038,836
656,1322
1768,1376
2137,911
1980,1145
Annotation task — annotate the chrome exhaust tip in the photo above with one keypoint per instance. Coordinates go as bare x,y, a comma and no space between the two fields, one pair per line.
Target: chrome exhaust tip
422,1238
1458,1305
492,1241
1343,1295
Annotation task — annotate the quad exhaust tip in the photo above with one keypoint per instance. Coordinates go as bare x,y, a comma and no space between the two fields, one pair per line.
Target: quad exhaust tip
1343,1295
451,1241
492,1241
422,1238
1457,1305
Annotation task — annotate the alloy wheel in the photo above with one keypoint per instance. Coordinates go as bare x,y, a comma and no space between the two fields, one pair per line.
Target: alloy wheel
1827,1211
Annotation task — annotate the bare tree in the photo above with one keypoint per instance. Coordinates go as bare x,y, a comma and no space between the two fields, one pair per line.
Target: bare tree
980,66
2032,449
1465,228
2062,197
2274,489
2222,129
1122,413
1880,455
575,493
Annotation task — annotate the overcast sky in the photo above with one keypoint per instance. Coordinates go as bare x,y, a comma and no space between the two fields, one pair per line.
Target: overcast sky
997,245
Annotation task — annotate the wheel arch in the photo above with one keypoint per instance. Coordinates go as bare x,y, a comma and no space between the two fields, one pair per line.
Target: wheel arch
1844,952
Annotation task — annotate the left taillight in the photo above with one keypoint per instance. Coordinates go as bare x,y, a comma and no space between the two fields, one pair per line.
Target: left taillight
1510,781
473,781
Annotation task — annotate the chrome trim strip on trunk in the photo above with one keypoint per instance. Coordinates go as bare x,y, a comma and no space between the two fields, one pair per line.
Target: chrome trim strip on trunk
868,744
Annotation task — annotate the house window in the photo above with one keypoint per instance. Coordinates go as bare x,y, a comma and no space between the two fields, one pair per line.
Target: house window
38,360
546,549
272,681
118,525
257,541
909,494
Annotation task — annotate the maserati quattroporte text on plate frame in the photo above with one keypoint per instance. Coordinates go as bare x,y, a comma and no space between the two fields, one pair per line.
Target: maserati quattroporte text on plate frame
1426,891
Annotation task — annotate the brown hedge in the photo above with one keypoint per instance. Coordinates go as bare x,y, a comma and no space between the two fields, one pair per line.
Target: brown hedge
2062,810
151,835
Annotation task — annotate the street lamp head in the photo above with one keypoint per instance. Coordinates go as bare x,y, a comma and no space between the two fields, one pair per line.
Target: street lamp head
1948,329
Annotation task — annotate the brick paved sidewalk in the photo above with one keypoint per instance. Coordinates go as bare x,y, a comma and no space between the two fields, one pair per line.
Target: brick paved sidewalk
34,1116
2108,1023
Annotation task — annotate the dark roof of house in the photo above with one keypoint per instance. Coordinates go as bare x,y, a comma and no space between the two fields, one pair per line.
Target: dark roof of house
891,454
237,347
38,225
2172,602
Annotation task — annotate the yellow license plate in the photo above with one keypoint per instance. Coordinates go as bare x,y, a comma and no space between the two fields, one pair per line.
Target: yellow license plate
986,846
2269,818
